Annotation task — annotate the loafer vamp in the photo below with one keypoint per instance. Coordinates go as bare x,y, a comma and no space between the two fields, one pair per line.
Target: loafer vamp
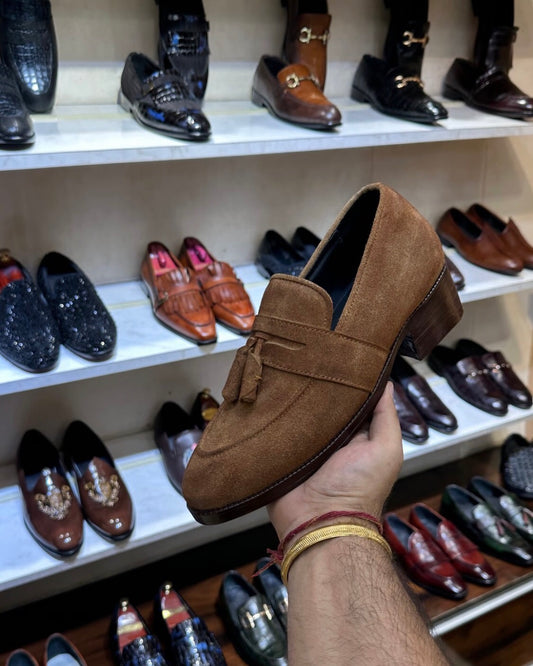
192,643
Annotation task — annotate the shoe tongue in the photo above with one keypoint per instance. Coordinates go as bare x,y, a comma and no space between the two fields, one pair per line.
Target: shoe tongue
297,300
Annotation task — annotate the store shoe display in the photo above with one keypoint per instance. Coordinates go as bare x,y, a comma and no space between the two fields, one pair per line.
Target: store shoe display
306,40
426,401
276,255
320,354
161,100
29,337
516,465
291,93
304,242
425,563
85,325
184,633
204,409
222,288
104,497
504,505
177,299
28,47
131,640
270,584
414,428
16,126
251,623
51,511
176,436
477,245
486,85
463,554
457,277
477,521
500,371
21,658
59,651
512,242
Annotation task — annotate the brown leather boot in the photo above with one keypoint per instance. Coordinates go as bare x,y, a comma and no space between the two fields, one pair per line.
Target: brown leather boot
320,354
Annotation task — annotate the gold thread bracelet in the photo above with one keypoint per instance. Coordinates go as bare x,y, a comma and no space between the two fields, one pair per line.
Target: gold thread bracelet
328,532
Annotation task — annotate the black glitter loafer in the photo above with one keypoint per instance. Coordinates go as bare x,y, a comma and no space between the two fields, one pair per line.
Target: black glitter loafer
85,325
28,333
29,49
16,127
161,100
516,465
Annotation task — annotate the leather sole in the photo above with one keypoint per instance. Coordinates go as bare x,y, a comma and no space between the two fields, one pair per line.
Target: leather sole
438,312
261,101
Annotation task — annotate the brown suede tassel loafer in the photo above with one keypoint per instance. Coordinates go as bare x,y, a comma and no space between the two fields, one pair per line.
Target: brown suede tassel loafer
320,354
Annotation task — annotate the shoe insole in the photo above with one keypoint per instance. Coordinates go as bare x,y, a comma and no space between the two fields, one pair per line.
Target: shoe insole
63,660
10,274
173,609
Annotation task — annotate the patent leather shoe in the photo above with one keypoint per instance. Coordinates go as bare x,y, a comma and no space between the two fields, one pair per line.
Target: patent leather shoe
59,650
425,563
184,633
305,242
276,255
51,511
204,408
29,50
29,336
464,554
160,100
516,465
104,497
131,640
268,581
486,529
85,325
414,428
16,126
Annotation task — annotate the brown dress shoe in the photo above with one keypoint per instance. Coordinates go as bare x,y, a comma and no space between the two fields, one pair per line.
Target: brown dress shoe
479,246
177,298
104,497
292,93
414,428
320,354
511,240
222,288
51,511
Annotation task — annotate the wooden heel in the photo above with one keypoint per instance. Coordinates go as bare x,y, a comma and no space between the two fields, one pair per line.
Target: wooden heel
440,311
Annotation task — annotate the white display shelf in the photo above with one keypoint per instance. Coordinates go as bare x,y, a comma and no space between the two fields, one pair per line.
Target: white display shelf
143,342
106,134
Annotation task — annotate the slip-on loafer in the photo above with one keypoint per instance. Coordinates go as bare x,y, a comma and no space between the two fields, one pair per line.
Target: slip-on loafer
291,93
267,579
485,528
176,436
251,622
320,354
84,323
184,634
204,408
59,650
222,288
305,242
464,555
21,658
424,561
478,245
29,337
51,511
500,371
414,428
276,255
468,377
160,100
177,299
104,497
516,465
132,642
16,126
29,50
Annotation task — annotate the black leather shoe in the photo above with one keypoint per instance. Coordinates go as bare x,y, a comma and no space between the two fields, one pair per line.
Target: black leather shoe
204,408
184,633
486,529
251,623
304,242
131,641
29,337
271,586
160,100
276,255
29,50
516,465
16,126
414,428
85,325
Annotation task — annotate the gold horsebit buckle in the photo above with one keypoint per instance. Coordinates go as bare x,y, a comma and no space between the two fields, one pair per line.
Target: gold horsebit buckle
409,39
293,80
248,620
402,81
306,35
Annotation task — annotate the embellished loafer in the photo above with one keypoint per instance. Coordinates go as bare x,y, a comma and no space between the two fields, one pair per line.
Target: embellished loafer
160,100
271,586
131,640
29,336
320,354
85,325
516,465
104,497
16,126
